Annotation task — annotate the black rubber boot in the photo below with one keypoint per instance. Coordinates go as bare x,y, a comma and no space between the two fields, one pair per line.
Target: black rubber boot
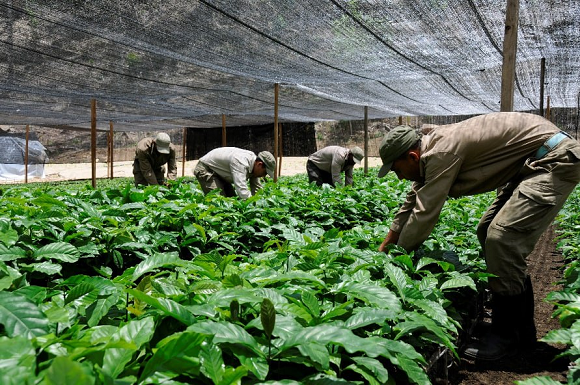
512,327
527,331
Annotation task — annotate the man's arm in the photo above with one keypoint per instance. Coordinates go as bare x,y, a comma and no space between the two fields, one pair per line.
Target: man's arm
255,185
172,166
239,176
348,180
146,168
336,169
441,172
391,239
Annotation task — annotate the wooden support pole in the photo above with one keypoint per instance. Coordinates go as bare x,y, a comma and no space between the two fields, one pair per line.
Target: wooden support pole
183,156
224,140
548,108
111,149
281,149
94,142
510,45
542,74
276,92
366,140
400,120
26,155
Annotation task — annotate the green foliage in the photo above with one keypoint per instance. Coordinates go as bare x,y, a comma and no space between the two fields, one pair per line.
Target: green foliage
165,284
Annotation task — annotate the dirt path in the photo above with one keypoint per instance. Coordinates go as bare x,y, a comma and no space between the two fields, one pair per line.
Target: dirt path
544,266
74,171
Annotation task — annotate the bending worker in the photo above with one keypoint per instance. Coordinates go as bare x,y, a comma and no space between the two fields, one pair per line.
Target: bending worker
534,165
224,166
327,164
151,155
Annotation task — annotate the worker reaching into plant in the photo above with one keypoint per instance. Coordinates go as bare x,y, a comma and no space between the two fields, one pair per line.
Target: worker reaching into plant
230,168
151,155
327,164
534,167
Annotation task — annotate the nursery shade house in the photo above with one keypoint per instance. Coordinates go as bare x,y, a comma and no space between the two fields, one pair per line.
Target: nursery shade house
153,65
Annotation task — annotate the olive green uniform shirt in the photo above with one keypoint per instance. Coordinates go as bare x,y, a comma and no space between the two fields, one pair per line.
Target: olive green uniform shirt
148,162
466,158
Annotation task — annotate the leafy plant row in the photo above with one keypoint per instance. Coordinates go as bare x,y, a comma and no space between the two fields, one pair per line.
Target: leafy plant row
121,285
567,300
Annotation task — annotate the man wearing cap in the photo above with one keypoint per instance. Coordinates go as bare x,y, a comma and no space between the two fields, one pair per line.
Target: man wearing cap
151,155
533,166
327,164
224,166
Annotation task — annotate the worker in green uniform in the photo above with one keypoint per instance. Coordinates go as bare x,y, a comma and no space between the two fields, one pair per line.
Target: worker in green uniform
151,155
531,164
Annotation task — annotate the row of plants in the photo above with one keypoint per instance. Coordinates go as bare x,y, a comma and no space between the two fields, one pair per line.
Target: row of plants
163,285
567,299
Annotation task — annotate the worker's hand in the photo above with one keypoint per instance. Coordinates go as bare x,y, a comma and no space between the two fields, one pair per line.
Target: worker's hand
391,239
169,183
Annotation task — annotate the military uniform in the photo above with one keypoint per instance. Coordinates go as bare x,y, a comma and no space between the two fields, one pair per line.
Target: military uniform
149,165
484,153
327,164
224,166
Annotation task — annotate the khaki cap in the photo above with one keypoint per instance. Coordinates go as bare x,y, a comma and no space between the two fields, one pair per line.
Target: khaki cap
162,141
394,144
357,154
269,161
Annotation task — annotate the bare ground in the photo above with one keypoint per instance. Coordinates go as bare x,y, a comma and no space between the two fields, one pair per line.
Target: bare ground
545,268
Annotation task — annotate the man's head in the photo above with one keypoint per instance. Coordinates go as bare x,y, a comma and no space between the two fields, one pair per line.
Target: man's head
265,164
162,142
396,144
357,154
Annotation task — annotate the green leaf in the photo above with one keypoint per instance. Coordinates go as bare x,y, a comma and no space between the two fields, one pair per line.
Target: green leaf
233,376
11,253
311,302
157,261
316,352
558,336
100,309
64,371
372,294
542,380
459,281
78,291
375,367
420,322
178,353
167,306
9,237
268,316
226,332
138,332
398,277
21,317
212,362
64,252
415,373
17,361
145,287
365,316
45,267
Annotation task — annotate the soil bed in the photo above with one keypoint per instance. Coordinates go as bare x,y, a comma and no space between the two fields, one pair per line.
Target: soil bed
545,268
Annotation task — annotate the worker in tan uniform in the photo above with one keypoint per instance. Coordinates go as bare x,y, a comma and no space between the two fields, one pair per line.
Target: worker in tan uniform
151,155
533,166
327,164
230,168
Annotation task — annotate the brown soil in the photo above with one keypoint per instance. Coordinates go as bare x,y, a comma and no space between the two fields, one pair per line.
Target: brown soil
545,268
